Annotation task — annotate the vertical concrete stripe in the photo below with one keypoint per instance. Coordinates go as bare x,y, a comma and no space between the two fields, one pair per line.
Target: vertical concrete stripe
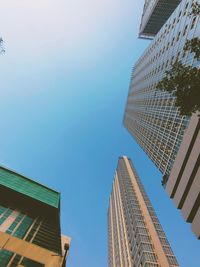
112,234
9,221
123,223
196,224
148,220
117,218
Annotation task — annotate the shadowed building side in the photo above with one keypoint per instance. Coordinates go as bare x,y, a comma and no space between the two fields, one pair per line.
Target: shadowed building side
155,14
29,223
183,185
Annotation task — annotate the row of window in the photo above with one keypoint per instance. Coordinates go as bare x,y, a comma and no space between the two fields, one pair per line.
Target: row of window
165,31
8,257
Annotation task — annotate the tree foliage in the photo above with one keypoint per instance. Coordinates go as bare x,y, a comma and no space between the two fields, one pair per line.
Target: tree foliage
193,46
164,180
182,81
2,50
195,8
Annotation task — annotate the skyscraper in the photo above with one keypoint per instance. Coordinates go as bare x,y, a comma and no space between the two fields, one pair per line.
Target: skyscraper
136,237
151,116
29,223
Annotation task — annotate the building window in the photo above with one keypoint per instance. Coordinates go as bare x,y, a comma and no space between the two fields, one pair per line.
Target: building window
185,29
30,263
193,23
186,6
5,257
178,36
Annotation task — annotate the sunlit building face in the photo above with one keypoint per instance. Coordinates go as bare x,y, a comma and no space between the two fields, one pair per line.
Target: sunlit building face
136,237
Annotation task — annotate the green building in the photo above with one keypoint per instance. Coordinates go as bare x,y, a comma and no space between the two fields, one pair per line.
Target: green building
30,232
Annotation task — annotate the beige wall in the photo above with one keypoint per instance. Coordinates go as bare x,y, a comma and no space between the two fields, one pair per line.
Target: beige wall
8,222
196,224
31,251
186,194
187,174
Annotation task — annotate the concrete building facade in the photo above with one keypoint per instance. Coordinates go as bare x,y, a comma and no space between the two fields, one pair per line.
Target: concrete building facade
170,140
29,223
136,237
150,115
183,185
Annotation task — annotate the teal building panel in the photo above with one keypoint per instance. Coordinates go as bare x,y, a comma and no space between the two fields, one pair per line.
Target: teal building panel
29,187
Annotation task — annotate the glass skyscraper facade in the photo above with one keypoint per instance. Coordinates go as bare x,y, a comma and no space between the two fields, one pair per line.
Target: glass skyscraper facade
136,237
150,115
29,218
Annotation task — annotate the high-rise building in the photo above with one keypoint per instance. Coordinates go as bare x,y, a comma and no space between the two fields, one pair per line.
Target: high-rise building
30,232
155,14
152,118
136,237
150,115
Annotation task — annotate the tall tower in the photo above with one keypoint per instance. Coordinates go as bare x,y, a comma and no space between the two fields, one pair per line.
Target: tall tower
29,223
170,140
136,237
151,115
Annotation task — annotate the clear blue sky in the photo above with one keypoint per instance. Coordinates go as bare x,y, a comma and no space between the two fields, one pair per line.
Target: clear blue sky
64,83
